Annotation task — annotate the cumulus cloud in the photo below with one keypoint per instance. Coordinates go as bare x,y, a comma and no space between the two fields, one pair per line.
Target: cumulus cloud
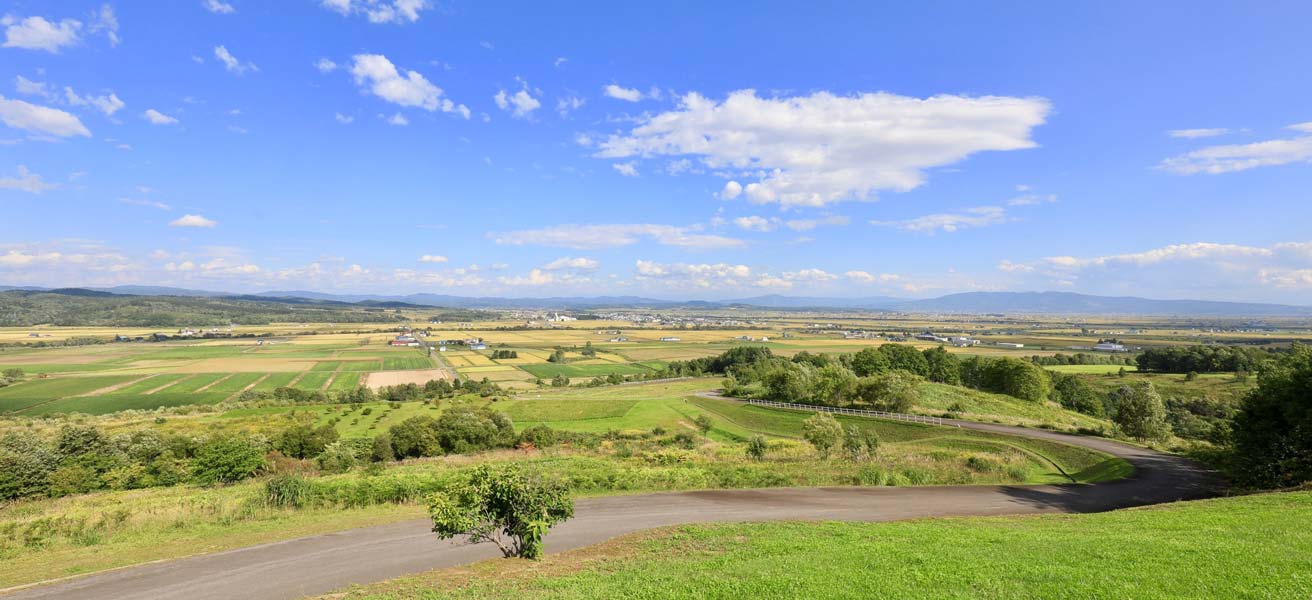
158,118
343,119
432,258
231,63
28,87
622,93
1214,160
704,275
192,221
628,169
1197,133
108,104
809,224
579,264
379,11
1191,269
980,216
218,7
520,104
26,181
36,33
869,278
398,120
591,237
377,74
40,119
820,149
755,223
325,66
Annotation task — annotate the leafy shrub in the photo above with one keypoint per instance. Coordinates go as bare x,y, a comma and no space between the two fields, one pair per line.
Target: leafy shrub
227,459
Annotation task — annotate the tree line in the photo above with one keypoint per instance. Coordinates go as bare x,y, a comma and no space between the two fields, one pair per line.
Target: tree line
1202,359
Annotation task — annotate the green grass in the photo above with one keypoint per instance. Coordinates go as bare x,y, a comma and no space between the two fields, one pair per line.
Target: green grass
344,381
1091,369
236,383
360,365
275,380
1246,547
406,363
313,381
191,384
549,411
109,403
330,365
1222,386
549,370
938,398
33,392
152,383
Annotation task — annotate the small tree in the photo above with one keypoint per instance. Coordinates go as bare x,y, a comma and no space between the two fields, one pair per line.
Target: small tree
703,423
1140,412
859,444
227,459
823,432
506,507
756,447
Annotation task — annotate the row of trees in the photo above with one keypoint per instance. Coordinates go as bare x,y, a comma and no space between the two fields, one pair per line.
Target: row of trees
1202,359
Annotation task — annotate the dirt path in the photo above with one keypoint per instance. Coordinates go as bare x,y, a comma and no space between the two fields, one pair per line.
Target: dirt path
320,564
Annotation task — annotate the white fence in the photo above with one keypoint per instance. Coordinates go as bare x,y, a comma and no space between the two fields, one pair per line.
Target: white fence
852,411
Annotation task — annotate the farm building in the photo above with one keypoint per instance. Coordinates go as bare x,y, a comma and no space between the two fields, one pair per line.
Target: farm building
1109,347
669,338
1009,345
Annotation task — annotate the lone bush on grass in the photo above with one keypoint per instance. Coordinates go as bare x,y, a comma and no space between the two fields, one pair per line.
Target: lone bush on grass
506,507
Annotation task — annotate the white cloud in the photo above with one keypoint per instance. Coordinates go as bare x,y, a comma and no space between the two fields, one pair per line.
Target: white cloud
980,216
36,33
809,224
30,88
628,169
40,119
568,104
622,93
809,276
578,264
158,118
150,203
819,149
398,120
1215,160
755,223
379,11
192,221
1303,127
432,258
231,63
108,104
591,237
26,181
1032,199
104,20
559,62
1197,269
705,275
218,7
520,104
343,119
867,277
383,79
1197,133
325,66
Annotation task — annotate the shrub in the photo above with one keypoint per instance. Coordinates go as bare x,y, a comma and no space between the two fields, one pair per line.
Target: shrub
416,436
756,447
287,491
227,459
894,391
1273,430
540,436
466,429
507,508
823,432
1140,412
337,457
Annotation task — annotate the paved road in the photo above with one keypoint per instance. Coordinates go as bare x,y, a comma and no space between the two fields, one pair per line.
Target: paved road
319,564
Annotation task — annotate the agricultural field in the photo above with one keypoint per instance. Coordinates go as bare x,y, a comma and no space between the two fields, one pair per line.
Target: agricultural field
105,378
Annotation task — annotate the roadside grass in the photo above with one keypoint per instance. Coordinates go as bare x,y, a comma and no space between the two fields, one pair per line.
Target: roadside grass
1221,386
1244,547
1091,369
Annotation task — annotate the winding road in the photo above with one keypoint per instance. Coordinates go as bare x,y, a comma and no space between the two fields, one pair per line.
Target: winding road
323,563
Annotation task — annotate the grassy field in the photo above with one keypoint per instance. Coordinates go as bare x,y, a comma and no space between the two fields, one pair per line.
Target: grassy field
601,369
1091,369
1246,547
975,405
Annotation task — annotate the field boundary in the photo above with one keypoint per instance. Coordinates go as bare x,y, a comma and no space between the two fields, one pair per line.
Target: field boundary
879,414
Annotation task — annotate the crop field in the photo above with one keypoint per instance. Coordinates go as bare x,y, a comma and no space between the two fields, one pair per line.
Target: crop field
549,370
1091,369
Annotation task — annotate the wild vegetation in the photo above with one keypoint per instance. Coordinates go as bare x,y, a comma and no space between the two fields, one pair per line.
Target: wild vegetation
69,308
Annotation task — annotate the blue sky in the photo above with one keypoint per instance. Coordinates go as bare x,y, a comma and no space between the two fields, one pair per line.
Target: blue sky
680,150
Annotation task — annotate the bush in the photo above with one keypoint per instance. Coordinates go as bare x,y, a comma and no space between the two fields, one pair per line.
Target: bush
823,432
337,457
414,437
287,491
757,447
1140,412
1273,430
228,459
894,391
540,436
465,429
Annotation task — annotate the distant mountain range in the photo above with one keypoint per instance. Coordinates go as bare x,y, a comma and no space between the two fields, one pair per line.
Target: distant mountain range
1054,303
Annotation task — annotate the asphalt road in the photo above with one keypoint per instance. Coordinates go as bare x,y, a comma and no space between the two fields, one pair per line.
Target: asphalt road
323,563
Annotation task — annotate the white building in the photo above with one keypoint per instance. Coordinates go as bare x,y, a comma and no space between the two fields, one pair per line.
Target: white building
1109,347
